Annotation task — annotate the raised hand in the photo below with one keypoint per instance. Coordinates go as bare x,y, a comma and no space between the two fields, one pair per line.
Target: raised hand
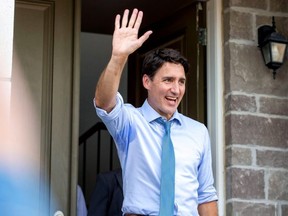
125,37
125,41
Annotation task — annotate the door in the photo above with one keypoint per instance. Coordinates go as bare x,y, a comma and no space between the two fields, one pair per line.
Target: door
179,31
44,96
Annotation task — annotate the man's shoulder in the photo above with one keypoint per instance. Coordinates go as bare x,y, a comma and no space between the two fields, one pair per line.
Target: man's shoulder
110,173
188,121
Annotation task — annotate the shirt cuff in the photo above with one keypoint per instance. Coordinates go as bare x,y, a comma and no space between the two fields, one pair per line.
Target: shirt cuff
114,112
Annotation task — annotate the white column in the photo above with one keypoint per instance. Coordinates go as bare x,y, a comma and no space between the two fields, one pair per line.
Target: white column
6,50
215,97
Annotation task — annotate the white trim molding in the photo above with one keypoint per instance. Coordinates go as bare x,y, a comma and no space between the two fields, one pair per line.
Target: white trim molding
215,97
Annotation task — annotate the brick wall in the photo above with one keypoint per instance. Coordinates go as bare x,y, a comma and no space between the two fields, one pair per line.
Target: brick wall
256,112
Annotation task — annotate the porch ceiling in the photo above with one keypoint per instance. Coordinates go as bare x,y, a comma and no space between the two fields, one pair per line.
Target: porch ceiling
97,16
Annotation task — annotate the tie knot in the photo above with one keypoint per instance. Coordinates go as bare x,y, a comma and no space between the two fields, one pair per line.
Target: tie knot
166,124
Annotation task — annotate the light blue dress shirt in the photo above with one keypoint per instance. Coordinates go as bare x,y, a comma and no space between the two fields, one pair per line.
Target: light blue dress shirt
138,137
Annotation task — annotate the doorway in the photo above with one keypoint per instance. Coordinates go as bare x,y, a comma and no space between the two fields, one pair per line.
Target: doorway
178,30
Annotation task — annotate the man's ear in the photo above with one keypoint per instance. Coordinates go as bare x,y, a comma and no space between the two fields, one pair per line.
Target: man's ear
146,81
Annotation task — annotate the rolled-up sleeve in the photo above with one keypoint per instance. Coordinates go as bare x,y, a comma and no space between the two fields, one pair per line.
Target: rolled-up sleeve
206,190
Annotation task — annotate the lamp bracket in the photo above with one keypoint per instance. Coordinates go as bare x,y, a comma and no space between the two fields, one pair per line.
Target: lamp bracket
263,32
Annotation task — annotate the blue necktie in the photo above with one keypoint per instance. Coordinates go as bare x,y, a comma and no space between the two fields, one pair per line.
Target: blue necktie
167,190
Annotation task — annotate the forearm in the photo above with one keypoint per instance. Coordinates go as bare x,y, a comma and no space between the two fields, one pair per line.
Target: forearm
208,209
108,84
125,41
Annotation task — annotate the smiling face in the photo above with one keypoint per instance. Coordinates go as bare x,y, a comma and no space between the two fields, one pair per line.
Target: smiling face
166,88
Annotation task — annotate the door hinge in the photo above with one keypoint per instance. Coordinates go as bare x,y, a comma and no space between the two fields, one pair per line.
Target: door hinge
202,36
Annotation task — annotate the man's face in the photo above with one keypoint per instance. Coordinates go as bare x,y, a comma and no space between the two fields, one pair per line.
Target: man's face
167,88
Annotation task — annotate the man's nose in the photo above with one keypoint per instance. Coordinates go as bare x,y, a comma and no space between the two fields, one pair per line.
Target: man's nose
175,88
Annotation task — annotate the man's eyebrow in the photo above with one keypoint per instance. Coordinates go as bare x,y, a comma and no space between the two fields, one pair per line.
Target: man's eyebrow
183,79
168,77
174,78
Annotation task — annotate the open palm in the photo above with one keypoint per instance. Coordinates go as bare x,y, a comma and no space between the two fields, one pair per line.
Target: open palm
125,37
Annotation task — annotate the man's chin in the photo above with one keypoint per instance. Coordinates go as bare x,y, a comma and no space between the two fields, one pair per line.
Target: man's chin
170,112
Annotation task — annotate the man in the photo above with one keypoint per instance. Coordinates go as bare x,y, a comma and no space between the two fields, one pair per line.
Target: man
107,196
81,203
138,132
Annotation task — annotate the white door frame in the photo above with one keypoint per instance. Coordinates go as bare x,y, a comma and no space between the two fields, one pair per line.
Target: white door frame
215,96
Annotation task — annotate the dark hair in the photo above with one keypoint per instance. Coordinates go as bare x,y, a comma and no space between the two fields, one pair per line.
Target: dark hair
156,58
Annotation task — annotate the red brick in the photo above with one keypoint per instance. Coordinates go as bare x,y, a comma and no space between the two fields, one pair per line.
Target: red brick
238,25
278,184
250,209
245,71
279,6
274,106
245,183
241,103
238,156
256,130
268,158
257,4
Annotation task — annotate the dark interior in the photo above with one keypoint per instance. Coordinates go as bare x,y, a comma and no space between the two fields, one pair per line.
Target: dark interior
174,25
97,16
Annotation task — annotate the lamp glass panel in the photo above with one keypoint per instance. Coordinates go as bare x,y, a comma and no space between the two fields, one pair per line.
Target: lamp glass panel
266,53
278,51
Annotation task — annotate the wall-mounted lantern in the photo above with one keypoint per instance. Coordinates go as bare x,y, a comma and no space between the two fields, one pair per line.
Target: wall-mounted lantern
273,46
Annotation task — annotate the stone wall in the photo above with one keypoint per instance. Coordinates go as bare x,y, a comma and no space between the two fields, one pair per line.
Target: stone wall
256,112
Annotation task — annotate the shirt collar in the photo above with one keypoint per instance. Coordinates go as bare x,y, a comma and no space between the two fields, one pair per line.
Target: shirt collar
151,115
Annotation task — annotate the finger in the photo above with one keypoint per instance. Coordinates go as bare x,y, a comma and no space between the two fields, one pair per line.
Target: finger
117,22
133,18
144,37
138,20
125,18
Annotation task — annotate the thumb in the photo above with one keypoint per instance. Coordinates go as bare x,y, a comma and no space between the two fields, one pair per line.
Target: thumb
144,37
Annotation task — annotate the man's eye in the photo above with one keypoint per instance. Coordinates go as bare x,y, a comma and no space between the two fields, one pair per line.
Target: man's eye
182,82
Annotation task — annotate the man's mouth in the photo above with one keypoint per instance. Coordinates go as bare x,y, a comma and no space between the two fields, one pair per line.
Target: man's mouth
172,99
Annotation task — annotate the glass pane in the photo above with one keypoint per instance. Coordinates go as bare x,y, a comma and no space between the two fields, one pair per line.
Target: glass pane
266,53
278,52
